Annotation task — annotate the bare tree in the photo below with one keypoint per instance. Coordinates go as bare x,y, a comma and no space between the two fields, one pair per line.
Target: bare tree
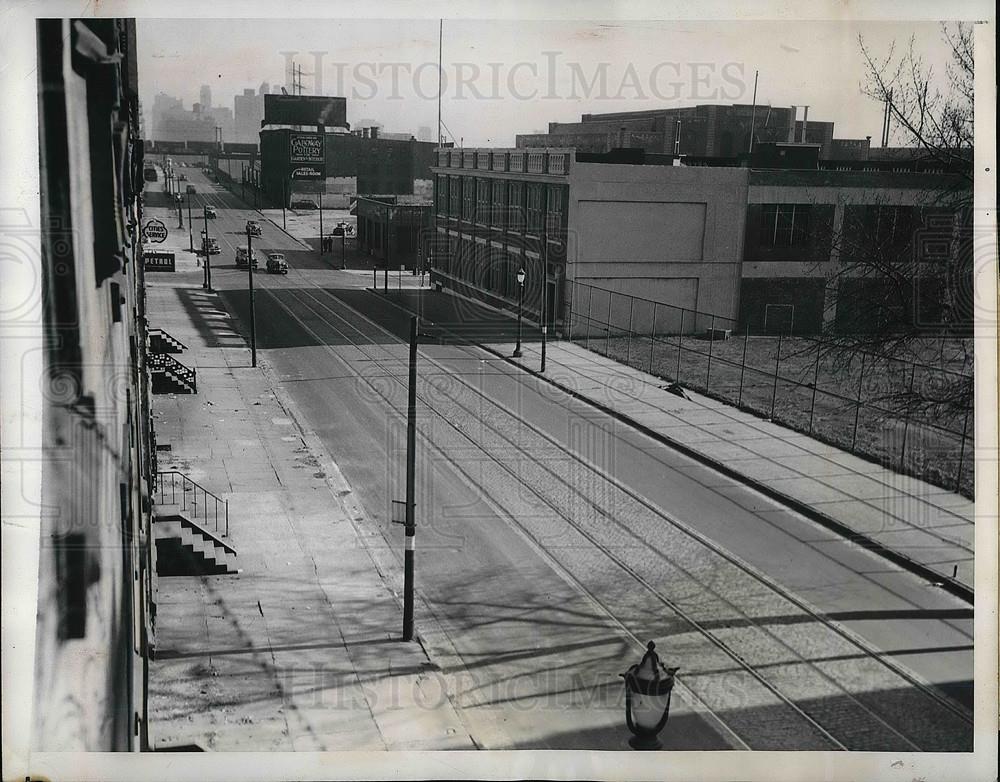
902,287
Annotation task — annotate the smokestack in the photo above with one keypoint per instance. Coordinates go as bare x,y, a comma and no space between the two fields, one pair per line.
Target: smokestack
805,123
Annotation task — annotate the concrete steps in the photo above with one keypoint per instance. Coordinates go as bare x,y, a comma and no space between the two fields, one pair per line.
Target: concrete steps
184,548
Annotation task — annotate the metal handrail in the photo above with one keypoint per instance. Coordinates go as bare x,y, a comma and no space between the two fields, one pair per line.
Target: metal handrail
164,361
191,488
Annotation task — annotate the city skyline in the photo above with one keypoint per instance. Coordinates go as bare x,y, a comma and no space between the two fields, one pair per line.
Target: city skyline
388,68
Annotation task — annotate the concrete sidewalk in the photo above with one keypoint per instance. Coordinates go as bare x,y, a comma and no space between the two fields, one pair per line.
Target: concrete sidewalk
910,519
301,650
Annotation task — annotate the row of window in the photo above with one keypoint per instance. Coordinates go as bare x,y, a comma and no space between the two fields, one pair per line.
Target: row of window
492,270
502,204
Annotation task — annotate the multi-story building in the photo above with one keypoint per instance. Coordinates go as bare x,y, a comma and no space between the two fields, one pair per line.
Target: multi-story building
706,130
97,460
749,244
248,110
393,229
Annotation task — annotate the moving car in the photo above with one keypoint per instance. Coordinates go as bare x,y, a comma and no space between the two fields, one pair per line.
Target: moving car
210,212
241,257
182,177
253,228
276,263
210,245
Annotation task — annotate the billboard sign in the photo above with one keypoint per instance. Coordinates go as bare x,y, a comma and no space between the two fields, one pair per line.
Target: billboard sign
154,231
305,110
158,261
306,148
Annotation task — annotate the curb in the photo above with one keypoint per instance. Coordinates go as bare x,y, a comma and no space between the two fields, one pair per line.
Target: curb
951,585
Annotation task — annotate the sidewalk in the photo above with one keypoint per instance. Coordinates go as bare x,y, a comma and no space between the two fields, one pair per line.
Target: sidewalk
931,527
301,650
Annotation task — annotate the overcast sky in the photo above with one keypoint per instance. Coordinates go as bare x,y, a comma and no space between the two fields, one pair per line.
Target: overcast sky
504,77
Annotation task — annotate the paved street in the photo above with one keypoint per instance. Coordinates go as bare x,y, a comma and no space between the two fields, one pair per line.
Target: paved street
554,540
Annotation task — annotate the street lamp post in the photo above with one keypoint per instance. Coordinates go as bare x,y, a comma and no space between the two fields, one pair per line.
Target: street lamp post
253,320
320,223
180,213
648,685
520,306
388,247
208,255
190,224
343,245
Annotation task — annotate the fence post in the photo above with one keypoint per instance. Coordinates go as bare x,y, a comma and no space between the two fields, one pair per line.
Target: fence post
906,422
777,366
812,407
680,336
857,409
607,344
652,338
590,310
628,344
711,341
743,364
961,453
569,315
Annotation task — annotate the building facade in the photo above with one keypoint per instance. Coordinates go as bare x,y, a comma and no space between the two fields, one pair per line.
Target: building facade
95,575
393,230
758,246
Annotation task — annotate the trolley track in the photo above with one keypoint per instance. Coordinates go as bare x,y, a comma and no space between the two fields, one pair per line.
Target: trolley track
871,727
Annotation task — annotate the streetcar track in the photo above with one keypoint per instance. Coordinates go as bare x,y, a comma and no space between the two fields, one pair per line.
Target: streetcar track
391,372
638,578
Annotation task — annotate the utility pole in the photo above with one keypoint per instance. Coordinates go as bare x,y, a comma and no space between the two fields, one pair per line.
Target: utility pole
284,197
190,225
440,46
180,212
388,242
208,255
253,320
321,247
753,112
411,526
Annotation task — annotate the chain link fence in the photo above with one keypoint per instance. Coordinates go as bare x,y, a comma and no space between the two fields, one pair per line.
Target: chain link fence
875,406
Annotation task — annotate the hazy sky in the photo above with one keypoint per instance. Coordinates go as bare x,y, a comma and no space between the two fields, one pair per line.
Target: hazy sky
504,77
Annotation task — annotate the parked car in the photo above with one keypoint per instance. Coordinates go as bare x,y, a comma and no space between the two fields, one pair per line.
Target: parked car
182,177
241,257
303,203
253,228
190,189
210,212
276,263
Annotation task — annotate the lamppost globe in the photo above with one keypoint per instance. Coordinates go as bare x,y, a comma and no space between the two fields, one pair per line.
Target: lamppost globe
520,276
648,685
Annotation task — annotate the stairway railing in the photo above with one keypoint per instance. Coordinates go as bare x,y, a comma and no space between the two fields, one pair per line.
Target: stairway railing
164,362
175,488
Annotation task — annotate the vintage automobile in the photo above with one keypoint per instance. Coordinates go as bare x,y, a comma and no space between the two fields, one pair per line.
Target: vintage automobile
209,245
276,263
210,212
253,228
190,189
241,257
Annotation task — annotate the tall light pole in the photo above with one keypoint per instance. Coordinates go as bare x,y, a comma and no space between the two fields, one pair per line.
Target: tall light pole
320,223
520,305
253,320
190,224
343,245
545,272
411,525
180,213
208,255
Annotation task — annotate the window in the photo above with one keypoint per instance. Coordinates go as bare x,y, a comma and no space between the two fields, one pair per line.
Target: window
515,207
441,195
499,203
454,196
554,218
482,201
468,197
784,225
535,208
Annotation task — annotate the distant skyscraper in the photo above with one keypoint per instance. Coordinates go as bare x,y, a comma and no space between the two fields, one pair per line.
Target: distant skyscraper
205,97
248,112
264,89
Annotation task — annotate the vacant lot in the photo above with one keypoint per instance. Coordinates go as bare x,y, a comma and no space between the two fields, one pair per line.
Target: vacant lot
853,402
